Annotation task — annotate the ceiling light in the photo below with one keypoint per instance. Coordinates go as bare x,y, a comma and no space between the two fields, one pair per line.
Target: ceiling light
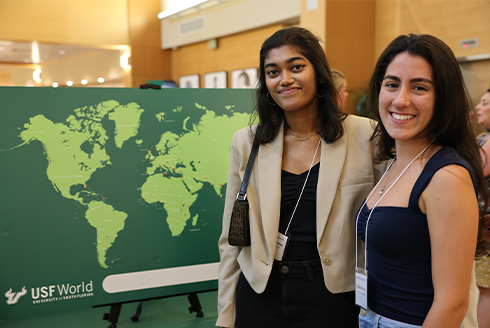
69,83
100,80
124,60
84,82
61,52
55,84
35,53
36,75
182,5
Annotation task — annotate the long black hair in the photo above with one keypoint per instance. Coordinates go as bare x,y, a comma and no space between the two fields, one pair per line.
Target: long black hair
449,125
270,117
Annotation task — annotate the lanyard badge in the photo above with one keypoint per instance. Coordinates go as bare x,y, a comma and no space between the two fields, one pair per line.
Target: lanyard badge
361,273
283,238
361,288
281,245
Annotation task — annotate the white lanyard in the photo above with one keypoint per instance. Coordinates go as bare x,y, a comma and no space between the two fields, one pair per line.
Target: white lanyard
304,185
282,239
369,196
361,275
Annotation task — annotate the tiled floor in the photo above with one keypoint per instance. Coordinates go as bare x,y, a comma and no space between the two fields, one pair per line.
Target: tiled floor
168,312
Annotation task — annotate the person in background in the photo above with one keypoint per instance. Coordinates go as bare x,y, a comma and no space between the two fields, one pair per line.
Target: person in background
482,266
314,167
420,222
340,83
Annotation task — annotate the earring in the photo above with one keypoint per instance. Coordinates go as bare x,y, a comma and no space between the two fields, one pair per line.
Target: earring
271,103
320,96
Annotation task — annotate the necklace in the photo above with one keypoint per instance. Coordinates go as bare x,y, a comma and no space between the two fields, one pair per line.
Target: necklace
300,139
387,178
388,170
379,200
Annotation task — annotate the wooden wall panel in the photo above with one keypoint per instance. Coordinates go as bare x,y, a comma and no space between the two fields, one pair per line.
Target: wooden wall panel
387,25
97,22
150,64
144,23
87,22
449,20
350,42
236,51
148,60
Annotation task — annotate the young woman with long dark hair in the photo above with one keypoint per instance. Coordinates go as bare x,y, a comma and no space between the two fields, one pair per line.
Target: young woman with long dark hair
314,167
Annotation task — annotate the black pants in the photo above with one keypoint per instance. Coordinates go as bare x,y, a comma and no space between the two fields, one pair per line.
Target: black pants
295,296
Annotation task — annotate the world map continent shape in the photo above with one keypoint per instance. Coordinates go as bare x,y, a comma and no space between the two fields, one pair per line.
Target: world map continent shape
180,166
75,149
183,163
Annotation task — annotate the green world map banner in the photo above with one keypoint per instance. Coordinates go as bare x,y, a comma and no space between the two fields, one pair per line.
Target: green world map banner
111,195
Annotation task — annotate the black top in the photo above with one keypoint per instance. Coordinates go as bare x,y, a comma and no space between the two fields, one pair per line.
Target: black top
399,257
302,242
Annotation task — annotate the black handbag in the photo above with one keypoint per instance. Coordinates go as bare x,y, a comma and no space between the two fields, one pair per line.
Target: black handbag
239,233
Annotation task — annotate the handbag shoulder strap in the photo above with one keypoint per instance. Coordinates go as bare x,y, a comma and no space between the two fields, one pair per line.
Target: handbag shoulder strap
242,194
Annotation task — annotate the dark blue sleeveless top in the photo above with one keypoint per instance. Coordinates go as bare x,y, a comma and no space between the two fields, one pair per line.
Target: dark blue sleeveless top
399,254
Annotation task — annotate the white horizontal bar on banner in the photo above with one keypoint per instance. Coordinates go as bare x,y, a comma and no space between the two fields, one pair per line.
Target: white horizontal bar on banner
125,282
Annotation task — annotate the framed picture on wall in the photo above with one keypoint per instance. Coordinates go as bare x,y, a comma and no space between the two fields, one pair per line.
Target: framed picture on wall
244,78
189,81
216,80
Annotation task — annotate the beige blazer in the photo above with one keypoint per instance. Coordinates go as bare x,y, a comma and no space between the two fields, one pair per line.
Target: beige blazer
346,176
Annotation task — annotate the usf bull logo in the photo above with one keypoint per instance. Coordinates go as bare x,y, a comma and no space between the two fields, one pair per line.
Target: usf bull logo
13,298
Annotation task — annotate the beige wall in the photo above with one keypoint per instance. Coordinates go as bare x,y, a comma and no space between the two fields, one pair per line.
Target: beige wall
233,52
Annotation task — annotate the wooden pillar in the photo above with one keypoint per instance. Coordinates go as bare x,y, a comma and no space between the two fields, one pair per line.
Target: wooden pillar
148,60
349,38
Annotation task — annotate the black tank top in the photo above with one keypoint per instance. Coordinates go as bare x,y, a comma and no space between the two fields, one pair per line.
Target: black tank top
302,243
